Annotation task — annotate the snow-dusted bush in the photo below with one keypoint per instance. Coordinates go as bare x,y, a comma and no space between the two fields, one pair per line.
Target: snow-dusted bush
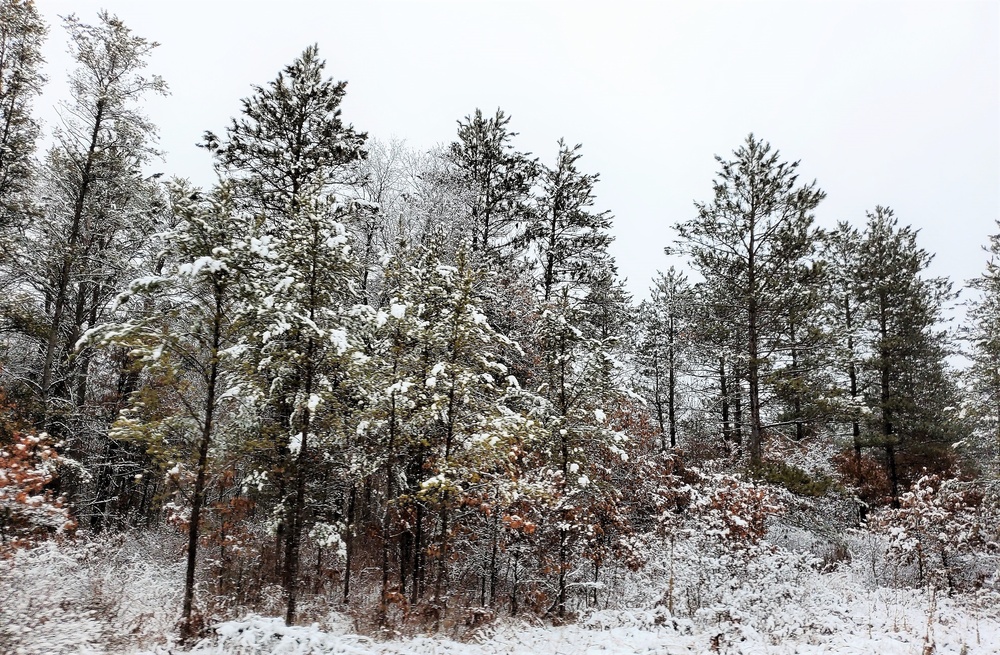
943,528
88,596
734,510
28,510
259,635
47,605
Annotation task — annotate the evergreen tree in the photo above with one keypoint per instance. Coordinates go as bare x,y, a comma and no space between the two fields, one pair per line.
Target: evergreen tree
181,334
494,182
88,238
570,240
841,256
750,241
289,144
581,384
441,418
908,385
717,347
286,154
22,33
660,350
301,345
982,333
800,374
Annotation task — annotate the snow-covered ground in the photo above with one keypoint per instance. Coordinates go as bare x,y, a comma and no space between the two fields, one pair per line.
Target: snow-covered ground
114,598
879,624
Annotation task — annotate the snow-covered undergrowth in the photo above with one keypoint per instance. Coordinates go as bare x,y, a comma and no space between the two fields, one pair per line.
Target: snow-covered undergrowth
91,598
107,596
884,622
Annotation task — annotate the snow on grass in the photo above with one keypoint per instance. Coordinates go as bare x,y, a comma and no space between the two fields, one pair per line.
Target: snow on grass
87,598
783,607
119,597
875,624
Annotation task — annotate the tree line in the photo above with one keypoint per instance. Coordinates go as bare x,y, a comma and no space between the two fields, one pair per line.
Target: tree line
414,381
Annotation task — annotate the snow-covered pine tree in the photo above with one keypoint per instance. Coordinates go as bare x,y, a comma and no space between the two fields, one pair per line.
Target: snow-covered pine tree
581,450
180,333
907,381
87,241
983,336
494,181
583,312
840,253
569,239
286,154
446,416
301,348
799,376
22,33
749,241
661,349
289,144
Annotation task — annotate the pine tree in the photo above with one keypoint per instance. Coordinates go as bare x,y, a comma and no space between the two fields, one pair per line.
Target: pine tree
660,350
799,376
908,383
301,347
494,182
89,238
581,382
841,256
982,333
717,347
441,419
286,154
289,144
181,334
570,240
22,33
750,241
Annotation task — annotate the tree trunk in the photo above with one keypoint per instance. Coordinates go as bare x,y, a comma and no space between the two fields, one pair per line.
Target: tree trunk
389,491
797,385
724,393
658,402
563,566
349,555
298,514
671,384
753,350
419,561
63,281
852,373
756,438
885,396
494,555
199,485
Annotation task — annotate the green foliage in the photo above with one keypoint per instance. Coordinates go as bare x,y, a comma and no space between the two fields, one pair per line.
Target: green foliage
494,183
751,243
795,479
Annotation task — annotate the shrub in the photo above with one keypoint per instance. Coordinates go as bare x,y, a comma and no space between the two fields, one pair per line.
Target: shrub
796,480
28,509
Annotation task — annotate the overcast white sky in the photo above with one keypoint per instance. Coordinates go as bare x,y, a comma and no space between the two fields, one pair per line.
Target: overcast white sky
891,103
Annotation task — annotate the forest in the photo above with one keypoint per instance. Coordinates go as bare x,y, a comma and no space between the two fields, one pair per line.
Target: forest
410,387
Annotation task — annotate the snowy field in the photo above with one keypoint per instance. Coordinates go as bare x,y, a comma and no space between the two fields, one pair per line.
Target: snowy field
872,625
93,599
